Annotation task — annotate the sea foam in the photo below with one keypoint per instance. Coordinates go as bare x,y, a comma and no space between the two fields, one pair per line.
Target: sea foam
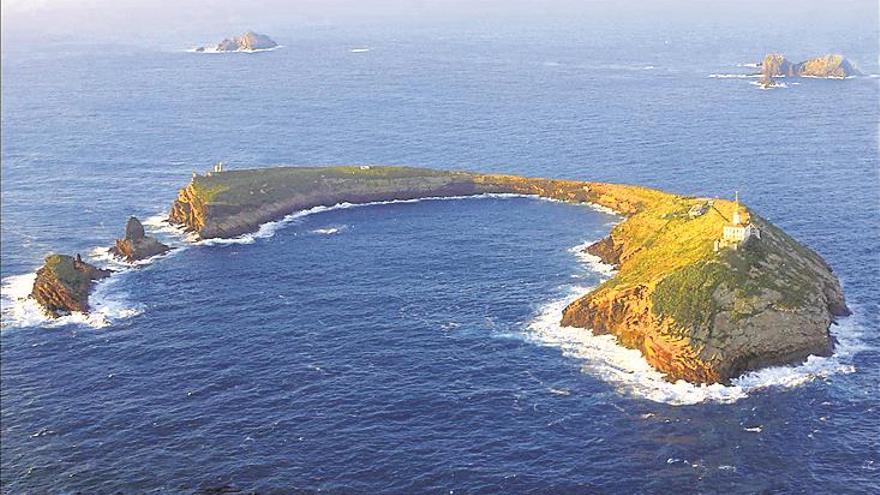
214,50
108,300
734,76
629,372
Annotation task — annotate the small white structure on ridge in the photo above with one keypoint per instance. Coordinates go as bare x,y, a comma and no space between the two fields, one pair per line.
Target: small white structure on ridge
737,232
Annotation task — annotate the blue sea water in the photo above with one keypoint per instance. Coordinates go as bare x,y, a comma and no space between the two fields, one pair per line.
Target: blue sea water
414,347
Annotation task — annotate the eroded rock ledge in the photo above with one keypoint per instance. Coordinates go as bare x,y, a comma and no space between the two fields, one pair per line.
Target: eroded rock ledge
696,311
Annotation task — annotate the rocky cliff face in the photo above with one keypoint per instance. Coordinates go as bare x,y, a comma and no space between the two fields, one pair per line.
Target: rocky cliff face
708,317
63,284
694,313
775,65
828,66
136,245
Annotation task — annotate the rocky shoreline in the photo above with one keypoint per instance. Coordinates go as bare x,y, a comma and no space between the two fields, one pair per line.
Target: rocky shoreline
705,288
697,310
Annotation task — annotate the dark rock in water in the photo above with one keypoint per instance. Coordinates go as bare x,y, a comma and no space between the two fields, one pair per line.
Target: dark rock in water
63,284
136,245
247,42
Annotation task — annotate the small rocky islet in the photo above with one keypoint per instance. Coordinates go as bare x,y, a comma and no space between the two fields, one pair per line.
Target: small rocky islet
705,288
62,285
831,66
136,245
247,42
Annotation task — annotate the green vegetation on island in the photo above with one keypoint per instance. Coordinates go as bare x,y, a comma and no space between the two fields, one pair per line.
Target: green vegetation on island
705,289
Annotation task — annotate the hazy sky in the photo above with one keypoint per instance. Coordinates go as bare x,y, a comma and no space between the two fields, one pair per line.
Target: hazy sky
185,19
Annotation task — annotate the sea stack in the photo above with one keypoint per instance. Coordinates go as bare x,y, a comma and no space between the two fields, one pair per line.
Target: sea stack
63,283
136,245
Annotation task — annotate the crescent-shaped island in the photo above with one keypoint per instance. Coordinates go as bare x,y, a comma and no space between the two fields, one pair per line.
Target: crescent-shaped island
705,288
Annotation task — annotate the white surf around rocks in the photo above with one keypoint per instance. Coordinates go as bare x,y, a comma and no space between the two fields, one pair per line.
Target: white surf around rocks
629,373
108,300
214,51
109,303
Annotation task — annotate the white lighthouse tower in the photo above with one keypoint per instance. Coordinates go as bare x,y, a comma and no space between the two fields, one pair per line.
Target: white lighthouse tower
737,232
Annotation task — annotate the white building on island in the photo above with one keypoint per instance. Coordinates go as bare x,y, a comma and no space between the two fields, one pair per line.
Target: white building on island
737,232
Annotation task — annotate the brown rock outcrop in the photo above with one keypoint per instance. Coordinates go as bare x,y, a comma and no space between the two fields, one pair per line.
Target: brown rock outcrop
830,66
63,284
136,245
247,42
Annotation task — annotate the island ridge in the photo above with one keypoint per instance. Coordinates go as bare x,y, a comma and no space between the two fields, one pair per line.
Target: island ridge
702,298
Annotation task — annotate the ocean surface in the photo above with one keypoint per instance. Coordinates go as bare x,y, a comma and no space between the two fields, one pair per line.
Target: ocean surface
414,347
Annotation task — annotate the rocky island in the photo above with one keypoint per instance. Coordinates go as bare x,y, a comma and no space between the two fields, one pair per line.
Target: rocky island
829,66
136,245
247,42
63,284
705,288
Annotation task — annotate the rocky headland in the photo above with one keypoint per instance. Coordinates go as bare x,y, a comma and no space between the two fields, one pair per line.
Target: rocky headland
136,245
247,42
829,66
705,289
63,284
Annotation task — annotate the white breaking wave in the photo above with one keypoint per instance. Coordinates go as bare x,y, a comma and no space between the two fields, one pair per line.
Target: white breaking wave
161,228
214,50
108,304
328,230
775,85
359,50
629,372
734,76
749,64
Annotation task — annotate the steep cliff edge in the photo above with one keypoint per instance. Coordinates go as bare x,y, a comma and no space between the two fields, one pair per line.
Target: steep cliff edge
63,284
696,311
707,316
